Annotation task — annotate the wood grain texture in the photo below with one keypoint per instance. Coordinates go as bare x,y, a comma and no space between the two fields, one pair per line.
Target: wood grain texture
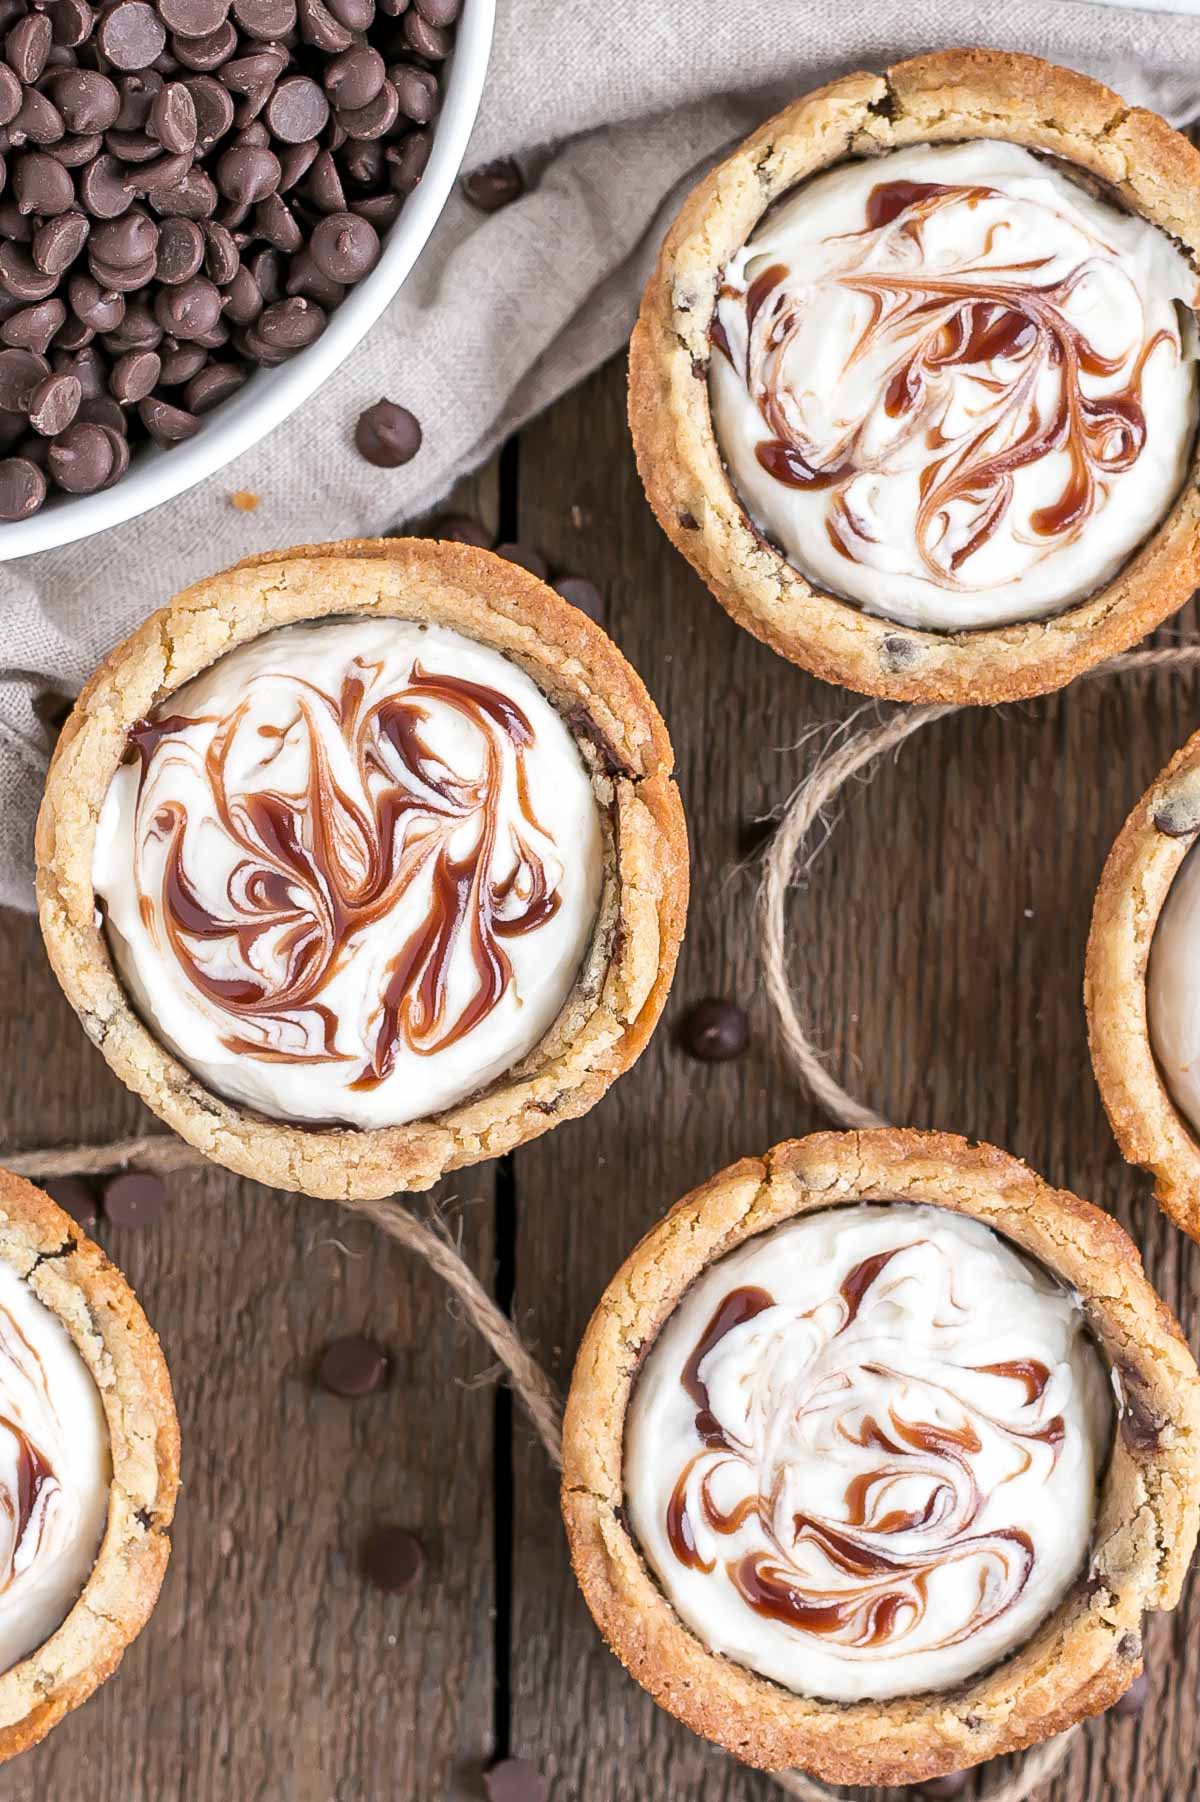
937,944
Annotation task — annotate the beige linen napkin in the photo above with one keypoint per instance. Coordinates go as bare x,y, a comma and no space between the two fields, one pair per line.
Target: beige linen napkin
612,110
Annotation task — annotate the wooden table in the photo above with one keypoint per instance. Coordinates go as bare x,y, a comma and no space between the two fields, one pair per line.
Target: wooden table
938,944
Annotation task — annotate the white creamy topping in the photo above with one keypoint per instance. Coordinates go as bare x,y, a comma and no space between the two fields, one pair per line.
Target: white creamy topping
360,874
862,1455
1173,990
981,403
55,1471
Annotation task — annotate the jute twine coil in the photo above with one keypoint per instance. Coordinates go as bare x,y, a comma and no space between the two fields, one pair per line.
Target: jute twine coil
849,757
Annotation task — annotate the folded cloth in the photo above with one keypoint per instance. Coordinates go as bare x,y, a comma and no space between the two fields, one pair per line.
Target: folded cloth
613,112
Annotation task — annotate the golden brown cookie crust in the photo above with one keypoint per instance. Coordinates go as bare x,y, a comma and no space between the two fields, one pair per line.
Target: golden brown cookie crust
607,1020
948,96
1084,1655
74,1279
1133,889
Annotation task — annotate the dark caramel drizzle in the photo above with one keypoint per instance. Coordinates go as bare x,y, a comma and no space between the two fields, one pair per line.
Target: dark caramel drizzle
943,323
882,1594
320,868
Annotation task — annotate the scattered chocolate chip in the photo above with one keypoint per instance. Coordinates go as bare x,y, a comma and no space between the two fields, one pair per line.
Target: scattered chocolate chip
387,435
582,594
527,557
945,1789
515,1780
714,1031
74,1196
135,1197
353,1366
462,528
392,1559
493,186
1135,1698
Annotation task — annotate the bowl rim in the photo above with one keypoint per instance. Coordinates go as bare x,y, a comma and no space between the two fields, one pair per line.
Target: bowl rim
249,415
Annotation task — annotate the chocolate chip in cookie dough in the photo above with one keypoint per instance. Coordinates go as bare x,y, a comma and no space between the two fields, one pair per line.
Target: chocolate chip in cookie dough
134,1198
393,1559
714,1031
515,1780
353,1367
74,1196
387,435
494,186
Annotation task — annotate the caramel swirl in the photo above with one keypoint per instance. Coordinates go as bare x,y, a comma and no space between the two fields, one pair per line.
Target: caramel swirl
365,860
844,1470
33,1494
979,389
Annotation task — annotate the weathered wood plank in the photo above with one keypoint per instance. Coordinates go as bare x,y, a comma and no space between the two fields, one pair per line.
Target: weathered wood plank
938,946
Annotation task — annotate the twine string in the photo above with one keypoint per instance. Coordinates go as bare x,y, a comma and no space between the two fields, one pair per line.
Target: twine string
842,761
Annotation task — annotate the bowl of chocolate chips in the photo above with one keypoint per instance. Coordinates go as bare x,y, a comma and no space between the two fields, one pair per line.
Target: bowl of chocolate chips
204,205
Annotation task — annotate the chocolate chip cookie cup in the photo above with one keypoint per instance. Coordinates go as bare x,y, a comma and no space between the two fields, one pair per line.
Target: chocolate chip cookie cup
364,862
876,1452
89,1466
913,385
1142,987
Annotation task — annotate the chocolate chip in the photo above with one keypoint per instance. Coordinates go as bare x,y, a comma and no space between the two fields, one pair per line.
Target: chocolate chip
355,15
189,310
376,118
179,366
392,1559
439,12
417,92
515,1780
215,383
125,243
355,77
87,100
946,1789
71,21
214,111
20,373
324,185
166,424
209,50
714,1031
1135,1698
38,121
80,461
352,1367
131,34
27,46
102,189
462,528
57,243
33,328
582,594
428,41
408,161
74,1196
193,18
387,435
265,19
495,185
173,118
527,557
135,375
22,488
345,248
133,1198
54,404
10,95
319,28
247,173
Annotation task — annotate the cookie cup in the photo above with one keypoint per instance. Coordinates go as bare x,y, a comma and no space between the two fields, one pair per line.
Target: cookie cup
1143,863
946,97
1083,1655
73,1279
619,994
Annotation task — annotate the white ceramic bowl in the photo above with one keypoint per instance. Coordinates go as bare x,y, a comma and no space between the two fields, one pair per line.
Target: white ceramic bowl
157,475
